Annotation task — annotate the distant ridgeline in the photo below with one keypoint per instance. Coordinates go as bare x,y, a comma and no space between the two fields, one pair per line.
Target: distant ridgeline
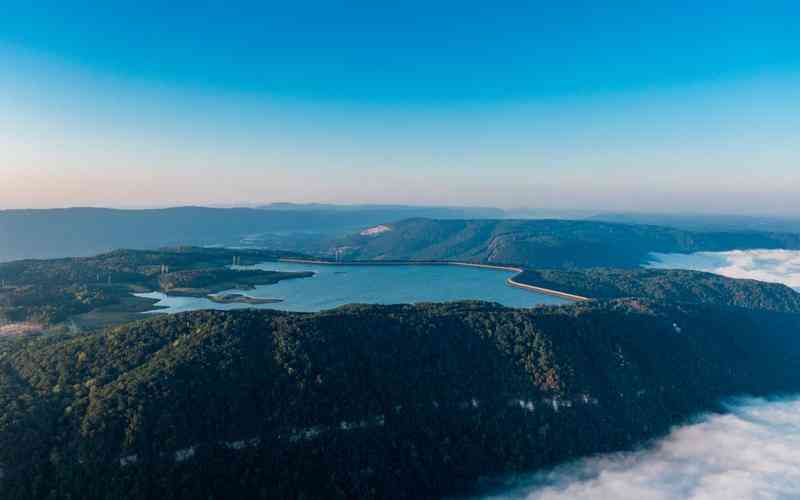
777,224
546,243
88,231
366,401
424,232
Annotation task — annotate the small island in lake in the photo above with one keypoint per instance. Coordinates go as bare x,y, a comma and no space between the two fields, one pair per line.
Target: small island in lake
238,298
206,282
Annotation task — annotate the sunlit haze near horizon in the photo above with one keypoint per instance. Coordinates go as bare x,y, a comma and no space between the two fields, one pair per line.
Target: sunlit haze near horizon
630,107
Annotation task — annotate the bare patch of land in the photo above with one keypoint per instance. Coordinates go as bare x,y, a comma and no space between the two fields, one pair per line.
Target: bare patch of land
237,298
23,328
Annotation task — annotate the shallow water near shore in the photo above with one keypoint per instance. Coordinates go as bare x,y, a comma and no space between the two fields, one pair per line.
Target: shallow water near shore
333,286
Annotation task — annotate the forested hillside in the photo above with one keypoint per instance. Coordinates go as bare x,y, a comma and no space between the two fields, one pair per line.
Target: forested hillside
48,292
546,243
366,401
92,291
665,285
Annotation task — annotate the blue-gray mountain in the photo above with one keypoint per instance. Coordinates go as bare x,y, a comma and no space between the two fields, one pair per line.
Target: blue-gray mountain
546,243
77,232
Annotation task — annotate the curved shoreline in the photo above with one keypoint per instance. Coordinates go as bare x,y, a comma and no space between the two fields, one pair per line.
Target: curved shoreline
510,281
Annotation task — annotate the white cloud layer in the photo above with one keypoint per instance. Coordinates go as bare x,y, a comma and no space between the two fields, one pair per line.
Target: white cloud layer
776,266
753,452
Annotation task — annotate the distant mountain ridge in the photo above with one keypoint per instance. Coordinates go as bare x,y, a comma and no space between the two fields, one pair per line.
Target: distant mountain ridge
469,233
476,212
711,222
77,232
547,243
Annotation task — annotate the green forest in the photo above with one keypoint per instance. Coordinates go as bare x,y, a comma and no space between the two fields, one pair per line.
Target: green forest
563,244
366,401
665,285
50,292
408,401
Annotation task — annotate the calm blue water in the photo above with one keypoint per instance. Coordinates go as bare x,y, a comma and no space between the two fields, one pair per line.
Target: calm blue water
334,286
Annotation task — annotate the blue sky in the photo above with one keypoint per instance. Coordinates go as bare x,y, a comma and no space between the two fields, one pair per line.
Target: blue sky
677,107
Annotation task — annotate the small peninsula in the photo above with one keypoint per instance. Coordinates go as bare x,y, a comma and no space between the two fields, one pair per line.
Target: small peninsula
89,293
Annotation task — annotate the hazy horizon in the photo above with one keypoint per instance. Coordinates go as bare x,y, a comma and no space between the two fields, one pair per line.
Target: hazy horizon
630,107
511,211
541,250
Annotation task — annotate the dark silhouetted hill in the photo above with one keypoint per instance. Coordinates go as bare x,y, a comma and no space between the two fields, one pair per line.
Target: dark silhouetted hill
366,401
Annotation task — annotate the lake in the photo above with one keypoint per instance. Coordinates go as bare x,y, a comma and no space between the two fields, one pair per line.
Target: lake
334,286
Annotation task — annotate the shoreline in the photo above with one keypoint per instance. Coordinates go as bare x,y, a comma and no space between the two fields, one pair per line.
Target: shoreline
238,298
499,267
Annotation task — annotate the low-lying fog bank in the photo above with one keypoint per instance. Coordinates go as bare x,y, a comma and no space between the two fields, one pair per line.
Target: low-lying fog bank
751,452
775,266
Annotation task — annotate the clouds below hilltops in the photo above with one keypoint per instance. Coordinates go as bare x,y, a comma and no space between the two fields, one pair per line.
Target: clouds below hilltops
749,453
776,266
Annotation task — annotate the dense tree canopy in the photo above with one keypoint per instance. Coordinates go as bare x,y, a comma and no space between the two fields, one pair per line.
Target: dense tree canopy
366,401
52,291
547,243
667,285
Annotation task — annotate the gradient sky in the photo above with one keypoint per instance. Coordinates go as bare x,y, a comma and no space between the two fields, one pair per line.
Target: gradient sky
682,106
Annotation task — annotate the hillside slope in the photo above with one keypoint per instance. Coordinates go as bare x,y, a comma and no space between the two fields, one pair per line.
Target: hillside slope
366,401
77,232
666,285
49,292
546,243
